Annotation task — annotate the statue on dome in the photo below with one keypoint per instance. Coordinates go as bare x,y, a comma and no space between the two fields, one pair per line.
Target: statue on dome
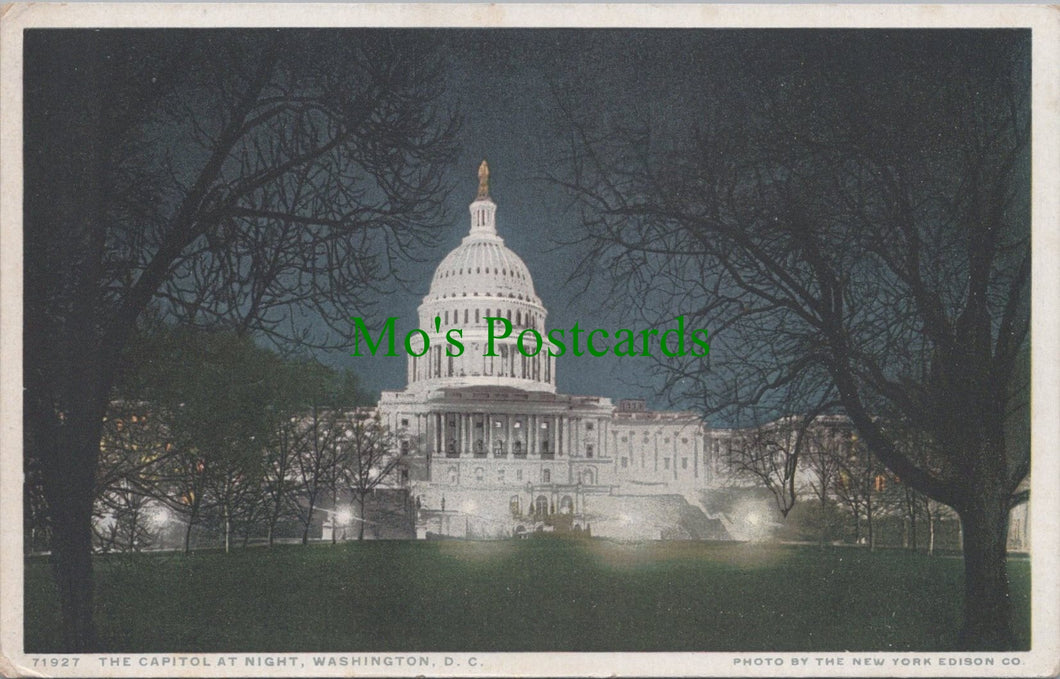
483,181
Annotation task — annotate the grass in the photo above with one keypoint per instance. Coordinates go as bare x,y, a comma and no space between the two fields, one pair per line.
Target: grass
528,595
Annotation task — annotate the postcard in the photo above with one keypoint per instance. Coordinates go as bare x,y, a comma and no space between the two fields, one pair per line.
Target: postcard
529,340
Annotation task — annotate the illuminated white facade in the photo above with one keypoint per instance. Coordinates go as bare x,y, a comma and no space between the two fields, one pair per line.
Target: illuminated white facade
491,444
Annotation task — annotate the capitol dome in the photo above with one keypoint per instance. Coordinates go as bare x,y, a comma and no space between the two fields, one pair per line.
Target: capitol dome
482,278
482,265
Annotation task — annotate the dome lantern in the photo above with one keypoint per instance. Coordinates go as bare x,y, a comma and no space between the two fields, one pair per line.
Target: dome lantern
482,278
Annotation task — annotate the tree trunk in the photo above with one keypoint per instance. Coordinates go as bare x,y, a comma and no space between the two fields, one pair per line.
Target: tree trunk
274,518
912,524
931,528
187,529
824,526
360,529
868,522
309,518
67,370
228,526
334,516
987,607
72,564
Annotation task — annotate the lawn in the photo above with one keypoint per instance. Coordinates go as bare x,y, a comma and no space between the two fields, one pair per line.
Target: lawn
528,595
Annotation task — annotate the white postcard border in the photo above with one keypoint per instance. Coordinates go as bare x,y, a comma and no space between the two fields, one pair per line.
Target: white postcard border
1042,660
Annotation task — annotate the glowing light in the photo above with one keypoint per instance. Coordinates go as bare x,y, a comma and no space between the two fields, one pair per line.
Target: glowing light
344,515
160,515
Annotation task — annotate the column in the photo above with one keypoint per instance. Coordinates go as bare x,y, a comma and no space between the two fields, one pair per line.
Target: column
487,422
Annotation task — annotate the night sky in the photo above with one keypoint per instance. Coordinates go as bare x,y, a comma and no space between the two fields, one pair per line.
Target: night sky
507,84
516,90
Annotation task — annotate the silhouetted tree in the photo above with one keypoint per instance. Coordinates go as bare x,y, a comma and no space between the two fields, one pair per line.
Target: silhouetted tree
326,398
858,487
370,456
769,455
849,217
261,181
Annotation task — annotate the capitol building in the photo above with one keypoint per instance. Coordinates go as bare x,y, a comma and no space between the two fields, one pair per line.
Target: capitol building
493,450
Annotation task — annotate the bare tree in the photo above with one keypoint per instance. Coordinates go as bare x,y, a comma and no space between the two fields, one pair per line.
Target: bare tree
317,459
133,453
279,480
858,487
769,455
850,214
369,458
263,181
825,449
